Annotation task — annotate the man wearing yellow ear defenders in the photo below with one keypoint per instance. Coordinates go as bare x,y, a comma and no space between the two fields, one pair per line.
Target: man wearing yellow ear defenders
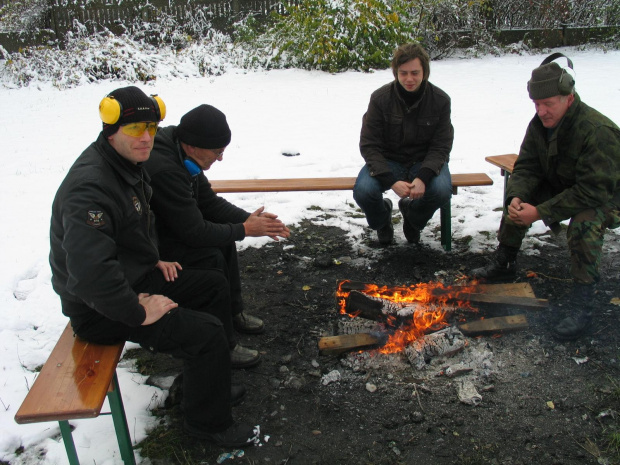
114,287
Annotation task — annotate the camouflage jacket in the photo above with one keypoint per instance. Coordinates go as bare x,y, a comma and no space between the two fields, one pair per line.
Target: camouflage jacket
579,164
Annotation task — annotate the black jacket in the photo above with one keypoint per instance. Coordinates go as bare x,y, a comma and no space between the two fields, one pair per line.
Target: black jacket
102,235
391,130
189,213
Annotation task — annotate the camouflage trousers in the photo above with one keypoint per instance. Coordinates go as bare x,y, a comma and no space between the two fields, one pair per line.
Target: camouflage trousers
585,235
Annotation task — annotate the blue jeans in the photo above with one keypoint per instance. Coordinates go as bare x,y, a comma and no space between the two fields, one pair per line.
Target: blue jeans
368,194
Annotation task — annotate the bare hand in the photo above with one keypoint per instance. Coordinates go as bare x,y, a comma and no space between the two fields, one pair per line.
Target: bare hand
155,306
262,223
401,189
521,213
417,189
169,269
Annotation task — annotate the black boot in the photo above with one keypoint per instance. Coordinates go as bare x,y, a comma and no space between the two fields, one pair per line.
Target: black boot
575,325
386,233
503,265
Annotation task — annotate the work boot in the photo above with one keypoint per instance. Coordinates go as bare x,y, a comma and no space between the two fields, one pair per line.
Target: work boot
242,357
412,234
248,324
175,393
237,435
503,265
574,326
386,233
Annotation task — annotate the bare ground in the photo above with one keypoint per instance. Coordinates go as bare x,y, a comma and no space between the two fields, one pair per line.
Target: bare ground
542,401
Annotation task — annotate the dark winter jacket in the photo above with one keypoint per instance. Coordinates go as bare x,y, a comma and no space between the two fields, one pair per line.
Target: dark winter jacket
102,235
189,213
393,131
579,164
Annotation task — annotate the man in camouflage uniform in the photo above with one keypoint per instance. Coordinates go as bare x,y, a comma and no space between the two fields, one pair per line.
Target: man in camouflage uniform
568,168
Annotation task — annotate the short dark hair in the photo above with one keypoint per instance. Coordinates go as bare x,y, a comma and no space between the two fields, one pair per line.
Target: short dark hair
408,52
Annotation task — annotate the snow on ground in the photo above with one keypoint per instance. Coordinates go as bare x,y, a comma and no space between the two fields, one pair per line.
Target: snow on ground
315,114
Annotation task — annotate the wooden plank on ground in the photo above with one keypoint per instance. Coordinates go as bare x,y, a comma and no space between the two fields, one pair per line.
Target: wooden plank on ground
495,325
334,345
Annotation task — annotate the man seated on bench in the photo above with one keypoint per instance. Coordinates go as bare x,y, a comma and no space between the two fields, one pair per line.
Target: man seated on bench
113,285
568,168
196,227
406,139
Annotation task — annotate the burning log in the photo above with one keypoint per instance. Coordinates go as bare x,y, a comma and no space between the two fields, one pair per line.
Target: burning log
379,309
502,294
445,342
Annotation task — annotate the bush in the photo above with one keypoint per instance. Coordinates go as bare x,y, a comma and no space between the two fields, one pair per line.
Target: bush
334,35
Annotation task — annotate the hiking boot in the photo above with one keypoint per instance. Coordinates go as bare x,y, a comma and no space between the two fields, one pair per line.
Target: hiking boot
242,357
386,233
503,265
412,234
248,324
573,327
237,435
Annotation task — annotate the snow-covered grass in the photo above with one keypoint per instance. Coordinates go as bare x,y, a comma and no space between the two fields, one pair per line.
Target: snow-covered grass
318,115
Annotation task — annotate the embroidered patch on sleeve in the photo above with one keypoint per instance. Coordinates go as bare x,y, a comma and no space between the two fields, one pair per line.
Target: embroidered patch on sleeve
95,218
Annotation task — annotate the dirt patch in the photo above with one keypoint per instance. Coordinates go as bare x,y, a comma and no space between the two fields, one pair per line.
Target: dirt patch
542,401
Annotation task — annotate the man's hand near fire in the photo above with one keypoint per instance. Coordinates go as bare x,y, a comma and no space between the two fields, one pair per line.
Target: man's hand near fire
521,213
262,223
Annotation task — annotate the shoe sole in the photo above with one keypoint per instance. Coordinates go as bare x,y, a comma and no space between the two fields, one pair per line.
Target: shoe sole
209,439
240,329
250,364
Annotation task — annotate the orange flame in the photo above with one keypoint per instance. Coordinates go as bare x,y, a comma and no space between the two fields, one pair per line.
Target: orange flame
430,298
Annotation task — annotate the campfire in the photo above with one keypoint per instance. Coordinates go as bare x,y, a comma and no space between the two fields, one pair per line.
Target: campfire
414,319
407,312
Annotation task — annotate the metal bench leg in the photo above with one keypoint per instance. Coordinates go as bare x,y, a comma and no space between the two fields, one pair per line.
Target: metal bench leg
120,423
67,438
446,226
506,175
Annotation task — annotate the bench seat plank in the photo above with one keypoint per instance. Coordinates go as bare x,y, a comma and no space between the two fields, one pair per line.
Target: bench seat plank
73,383
323,184
504,162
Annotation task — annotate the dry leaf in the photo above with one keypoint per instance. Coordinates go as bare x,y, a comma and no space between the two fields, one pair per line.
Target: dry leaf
531,274
615,301
306,288
550,404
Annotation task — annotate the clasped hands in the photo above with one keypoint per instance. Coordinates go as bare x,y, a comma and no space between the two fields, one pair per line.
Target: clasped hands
413,190
521,213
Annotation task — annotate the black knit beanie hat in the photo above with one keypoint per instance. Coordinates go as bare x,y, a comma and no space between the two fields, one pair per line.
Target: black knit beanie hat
204,127
545,81
135,107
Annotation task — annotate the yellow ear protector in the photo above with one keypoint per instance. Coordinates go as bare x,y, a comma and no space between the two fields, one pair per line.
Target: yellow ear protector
566,82
110,109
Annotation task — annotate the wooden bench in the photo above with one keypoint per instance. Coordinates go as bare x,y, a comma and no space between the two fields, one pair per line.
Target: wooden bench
345,183
505,163
73,384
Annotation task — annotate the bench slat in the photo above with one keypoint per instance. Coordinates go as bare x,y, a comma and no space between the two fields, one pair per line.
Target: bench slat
73,383
505,162
323,184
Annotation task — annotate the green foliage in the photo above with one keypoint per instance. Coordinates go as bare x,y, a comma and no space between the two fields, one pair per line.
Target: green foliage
333,35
